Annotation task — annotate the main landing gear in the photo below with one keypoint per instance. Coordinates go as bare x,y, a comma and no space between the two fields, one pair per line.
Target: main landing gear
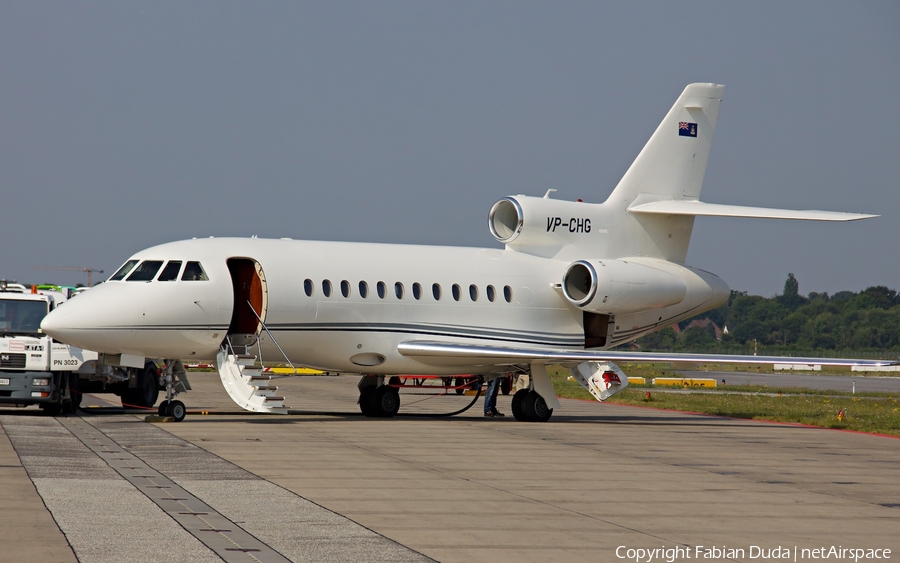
529,406
379,397
376,399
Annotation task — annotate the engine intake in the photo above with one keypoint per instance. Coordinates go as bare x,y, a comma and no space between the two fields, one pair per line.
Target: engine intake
506,220
617,286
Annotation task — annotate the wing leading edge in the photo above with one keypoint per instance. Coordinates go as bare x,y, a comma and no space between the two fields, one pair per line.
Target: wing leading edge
446,353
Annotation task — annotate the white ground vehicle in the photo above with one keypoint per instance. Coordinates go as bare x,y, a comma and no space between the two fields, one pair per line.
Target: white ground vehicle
36,369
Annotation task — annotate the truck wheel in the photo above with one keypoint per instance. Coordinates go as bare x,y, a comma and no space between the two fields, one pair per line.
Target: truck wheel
147,391
74,401
149,386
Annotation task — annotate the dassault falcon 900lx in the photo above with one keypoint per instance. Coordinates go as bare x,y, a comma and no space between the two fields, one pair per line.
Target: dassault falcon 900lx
574,280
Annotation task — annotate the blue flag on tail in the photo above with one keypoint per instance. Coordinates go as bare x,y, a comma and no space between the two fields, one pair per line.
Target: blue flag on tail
686,129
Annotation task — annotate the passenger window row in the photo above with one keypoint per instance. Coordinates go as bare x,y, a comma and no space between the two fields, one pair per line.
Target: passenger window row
148,269
400,291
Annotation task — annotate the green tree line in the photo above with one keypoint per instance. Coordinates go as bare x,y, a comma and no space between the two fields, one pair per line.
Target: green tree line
865,323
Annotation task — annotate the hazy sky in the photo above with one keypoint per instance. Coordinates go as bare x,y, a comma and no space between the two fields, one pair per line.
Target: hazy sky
128,124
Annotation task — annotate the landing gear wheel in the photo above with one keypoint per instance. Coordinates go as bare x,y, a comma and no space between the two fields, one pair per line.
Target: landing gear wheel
535,408
176,410
366,396
459,385
163,406
505,385
386,402
517,400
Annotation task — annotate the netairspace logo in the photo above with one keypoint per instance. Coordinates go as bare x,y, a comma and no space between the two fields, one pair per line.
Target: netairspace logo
753,552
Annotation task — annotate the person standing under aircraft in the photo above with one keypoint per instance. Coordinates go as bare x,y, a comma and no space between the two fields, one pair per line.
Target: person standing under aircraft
490,399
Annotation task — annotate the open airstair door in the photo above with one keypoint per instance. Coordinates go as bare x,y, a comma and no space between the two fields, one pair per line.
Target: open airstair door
250,300
242,377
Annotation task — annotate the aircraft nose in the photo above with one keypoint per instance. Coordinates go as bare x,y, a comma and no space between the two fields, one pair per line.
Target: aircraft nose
101,319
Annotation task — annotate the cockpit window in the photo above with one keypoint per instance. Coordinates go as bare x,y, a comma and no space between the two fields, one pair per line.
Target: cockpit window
123,271
146,271
170,272
194,272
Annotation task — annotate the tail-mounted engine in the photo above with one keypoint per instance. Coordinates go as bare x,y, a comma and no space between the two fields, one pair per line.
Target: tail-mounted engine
524,221
617,286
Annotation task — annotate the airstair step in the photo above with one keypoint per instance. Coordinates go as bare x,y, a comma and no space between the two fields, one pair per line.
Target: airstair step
246,383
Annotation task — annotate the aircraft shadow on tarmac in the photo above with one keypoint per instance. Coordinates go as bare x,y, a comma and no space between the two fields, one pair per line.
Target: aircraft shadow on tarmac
692,420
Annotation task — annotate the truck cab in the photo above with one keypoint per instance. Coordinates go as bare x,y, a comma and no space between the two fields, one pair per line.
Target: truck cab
33,368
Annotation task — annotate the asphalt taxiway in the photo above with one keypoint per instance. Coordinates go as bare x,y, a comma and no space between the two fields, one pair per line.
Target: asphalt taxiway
847,383
332,485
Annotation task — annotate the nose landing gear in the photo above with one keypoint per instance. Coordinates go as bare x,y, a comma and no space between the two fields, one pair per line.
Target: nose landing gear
176,382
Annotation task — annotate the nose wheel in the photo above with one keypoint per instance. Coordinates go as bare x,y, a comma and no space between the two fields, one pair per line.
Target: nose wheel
169,406
176,410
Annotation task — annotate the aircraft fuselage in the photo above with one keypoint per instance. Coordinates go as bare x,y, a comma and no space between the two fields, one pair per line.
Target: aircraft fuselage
345,307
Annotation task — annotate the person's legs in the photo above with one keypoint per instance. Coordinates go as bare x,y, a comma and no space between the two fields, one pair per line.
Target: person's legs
490,396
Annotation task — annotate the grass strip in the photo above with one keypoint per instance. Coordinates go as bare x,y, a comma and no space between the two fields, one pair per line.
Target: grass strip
877,413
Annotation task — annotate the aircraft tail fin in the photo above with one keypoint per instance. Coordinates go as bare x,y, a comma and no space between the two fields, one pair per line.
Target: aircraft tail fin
673,162
670,167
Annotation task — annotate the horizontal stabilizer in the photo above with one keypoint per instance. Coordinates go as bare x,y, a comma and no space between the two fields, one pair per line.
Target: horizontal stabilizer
444,353
699,208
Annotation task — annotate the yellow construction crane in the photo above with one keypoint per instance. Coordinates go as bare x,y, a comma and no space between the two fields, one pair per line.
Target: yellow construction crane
88,271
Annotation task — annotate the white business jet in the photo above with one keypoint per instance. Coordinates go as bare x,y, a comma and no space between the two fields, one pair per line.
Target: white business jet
574,280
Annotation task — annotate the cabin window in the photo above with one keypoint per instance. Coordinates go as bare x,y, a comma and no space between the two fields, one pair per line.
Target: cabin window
170,272
308,287
455,290
473,292
146,271
490,293
381,288
123,271
345,288
193,271
436,291
326,288
507,293
398,290
363,289
417,291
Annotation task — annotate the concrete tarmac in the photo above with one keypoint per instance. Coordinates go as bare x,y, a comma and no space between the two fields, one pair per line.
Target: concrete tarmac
330,484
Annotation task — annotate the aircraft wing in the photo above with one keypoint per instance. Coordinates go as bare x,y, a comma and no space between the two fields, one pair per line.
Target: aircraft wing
447,353
689,207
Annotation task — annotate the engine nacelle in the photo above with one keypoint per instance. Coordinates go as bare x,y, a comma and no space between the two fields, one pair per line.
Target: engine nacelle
612,287
524,221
